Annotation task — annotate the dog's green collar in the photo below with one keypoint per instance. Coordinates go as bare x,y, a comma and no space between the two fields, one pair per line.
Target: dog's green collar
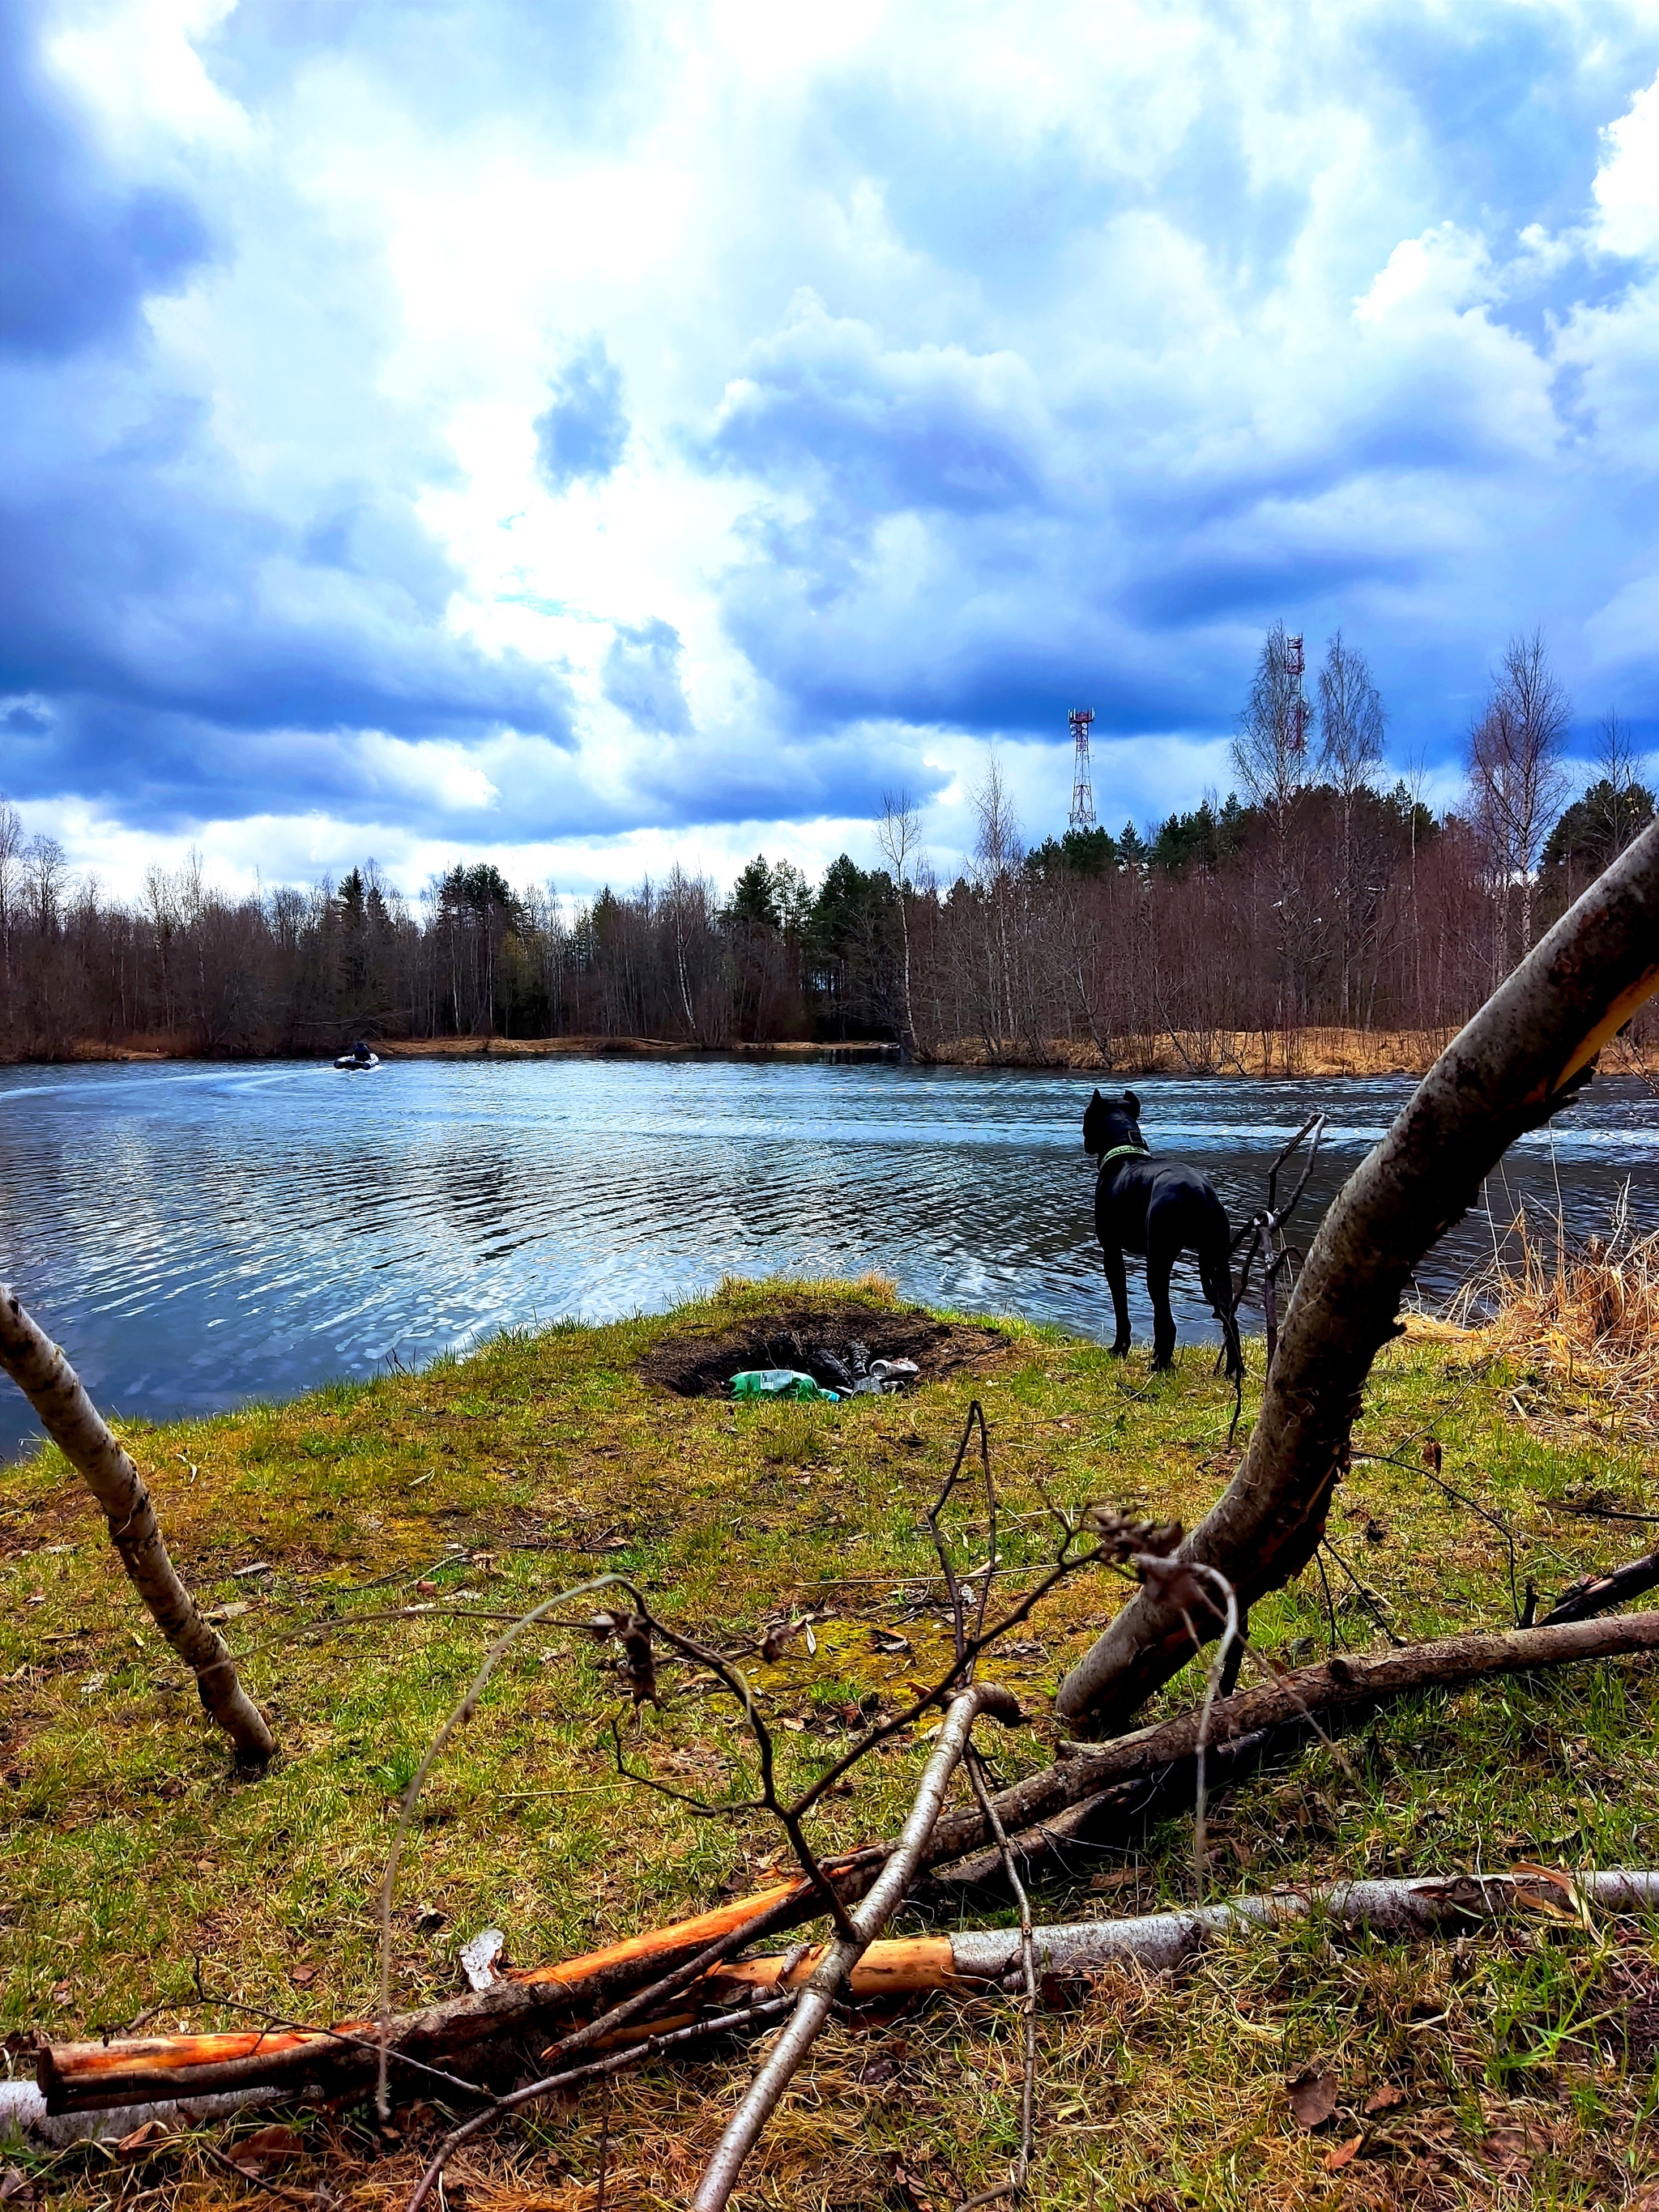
1122,1152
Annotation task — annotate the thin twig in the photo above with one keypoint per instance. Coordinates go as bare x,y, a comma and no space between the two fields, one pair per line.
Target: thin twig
1365,1597
819,1992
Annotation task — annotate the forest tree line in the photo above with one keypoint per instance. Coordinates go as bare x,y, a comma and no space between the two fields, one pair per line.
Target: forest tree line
1316,895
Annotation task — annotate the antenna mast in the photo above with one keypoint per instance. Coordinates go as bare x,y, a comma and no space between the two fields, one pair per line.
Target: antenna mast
1083,789
1295,668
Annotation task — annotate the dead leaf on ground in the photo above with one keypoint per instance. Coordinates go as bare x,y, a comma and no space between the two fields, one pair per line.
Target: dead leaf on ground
272,2145
1313,2098
1338,2158
913,2189
142,2139
303,1976
1506,2151
1383,2100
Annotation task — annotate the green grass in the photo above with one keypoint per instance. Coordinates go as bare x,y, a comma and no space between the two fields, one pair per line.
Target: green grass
137,1870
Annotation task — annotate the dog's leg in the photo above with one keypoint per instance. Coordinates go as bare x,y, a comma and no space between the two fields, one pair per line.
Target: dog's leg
1216,1273
1162,1250
1119,1285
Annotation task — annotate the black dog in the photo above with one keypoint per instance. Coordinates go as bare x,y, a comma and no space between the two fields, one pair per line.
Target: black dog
1163,1209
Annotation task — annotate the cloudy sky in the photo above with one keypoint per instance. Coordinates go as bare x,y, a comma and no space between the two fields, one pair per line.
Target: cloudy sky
591,434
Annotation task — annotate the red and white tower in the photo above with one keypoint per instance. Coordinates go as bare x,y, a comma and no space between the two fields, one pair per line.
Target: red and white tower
1295,668
1083,789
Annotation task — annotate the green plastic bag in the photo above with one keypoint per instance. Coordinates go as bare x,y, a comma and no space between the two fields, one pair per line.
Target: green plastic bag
778,1383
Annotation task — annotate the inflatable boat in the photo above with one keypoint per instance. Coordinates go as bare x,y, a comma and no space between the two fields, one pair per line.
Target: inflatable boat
358,1060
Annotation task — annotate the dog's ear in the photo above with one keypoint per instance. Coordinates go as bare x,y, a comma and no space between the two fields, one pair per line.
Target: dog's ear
1096,1100
1131,1103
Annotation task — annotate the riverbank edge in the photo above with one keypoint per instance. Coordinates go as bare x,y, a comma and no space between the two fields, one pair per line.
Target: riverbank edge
1304,1054
1256,1055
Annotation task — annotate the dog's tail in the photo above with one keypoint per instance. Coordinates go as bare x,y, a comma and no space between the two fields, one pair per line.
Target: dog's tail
1216,1273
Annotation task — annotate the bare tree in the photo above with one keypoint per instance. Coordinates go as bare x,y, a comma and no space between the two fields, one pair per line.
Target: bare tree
1514,767
1351,720
1616,757
11,852
898,834
1270,757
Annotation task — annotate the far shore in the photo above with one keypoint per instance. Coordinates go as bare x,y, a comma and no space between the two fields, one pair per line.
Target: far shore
1259,1054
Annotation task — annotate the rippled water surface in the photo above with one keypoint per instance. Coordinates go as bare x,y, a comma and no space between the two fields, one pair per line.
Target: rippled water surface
197,1237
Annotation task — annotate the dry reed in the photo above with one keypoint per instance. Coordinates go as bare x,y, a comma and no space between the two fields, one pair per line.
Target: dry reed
1591,1311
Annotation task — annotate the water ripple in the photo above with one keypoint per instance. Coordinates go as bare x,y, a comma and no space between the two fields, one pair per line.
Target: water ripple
200,1237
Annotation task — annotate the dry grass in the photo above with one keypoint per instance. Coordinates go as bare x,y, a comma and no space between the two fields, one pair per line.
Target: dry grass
1299,1052
1590,1313
130,1851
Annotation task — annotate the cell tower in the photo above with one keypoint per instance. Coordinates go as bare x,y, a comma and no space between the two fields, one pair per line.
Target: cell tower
1295,668
1083,789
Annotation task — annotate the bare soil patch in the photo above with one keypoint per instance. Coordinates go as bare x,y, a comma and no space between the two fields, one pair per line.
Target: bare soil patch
701,1362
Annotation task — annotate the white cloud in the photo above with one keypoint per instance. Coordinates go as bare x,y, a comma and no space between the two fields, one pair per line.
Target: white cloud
1627,184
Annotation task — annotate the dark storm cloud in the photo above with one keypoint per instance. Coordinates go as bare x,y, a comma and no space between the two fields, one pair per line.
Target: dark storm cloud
174,648
933,427
79,250
641,676
584,433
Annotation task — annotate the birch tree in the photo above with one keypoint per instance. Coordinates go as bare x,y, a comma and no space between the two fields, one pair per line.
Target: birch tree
1515,771
1351,721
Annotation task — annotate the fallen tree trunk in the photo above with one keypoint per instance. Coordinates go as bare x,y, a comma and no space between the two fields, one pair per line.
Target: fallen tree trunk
974,1960
139,2070
76,1427
1516,1062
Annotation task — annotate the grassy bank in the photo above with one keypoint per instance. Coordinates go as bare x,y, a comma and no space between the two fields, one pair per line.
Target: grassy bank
134,1860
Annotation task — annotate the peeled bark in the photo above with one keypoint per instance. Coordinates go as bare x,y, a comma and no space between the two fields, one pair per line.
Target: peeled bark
1520,1059
139,2070
76,1427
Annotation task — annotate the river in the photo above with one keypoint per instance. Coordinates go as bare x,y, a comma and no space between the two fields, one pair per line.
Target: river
199,1236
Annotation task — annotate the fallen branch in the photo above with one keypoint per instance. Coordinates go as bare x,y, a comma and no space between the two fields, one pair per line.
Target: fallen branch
974,1960
1597,1594
137,2069
812,2009
1019,2172
1520,1059
76,1427
80,2075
